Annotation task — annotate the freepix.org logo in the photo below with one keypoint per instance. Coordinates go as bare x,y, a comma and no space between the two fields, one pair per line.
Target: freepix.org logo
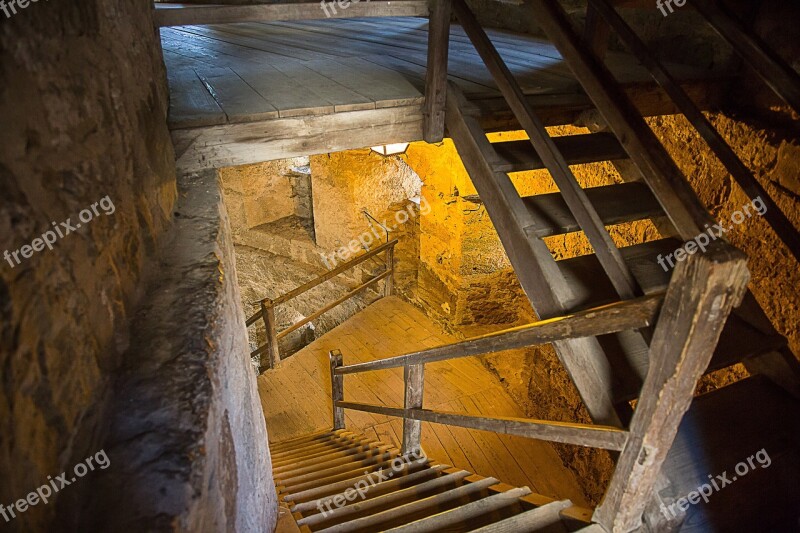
59,231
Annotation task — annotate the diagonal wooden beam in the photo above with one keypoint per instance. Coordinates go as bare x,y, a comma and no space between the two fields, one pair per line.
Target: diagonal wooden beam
700,297
775,72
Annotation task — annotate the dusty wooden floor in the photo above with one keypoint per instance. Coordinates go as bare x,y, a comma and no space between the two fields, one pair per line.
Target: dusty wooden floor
235,73
296,399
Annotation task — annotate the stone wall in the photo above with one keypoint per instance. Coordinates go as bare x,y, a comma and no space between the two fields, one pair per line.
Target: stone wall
187,442
265,192
83,101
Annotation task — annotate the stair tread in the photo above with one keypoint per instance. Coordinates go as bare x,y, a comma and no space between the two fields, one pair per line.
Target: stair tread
518,156
615,204
471,511
410,511
546,516
385,501
739,339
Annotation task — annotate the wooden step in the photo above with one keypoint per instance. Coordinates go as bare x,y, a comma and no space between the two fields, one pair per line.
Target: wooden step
304,468
324,455
465,514
333,444
345,474
546,517
519,156
299,441
623,202
379,504
414,510
399,480
314,476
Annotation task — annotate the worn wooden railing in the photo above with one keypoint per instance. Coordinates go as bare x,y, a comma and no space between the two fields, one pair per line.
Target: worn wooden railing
688,320
267,311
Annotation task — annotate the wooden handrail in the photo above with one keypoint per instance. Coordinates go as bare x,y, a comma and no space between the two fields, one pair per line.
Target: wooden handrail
627,315
335,272
606,437
333,304
775,72
267,312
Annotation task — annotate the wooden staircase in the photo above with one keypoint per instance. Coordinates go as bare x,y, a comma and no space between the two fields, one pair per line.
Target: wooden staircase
608,370
624,327
338,481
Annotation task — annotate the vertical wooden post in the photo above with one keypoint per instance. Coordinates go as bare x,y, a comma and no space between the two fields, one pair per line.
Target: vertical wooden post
436,75
597,32
337,389
700,296
412,429
388,288
273,352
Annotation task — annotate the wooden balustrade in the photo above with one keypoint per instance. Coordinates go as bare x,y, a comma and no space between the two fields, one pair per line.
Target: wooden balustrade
267,310
688,320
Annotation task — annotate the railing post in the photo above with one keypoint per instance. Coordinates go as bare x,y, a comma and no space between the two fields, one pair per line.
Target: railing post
273,352
337,389
436,76
700,296
388,288
412,429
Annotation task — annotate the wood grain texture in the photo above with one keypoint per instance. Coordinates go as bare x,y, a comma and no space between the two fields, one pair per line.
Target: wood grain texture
702,293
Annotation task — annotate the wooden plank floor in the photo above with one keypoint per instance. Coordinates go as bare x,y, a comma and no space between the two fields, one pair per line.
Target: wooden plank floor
247,72
296,399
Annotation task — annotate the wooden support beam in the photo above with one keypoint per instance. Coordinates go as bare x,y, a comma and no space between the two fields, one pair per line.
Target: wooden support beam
568,185
388,288
606,437
631,314
741,174
271,332
775,72
596,33
702,293
255,142
170,15
414,377
436,74
661,173
337,389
